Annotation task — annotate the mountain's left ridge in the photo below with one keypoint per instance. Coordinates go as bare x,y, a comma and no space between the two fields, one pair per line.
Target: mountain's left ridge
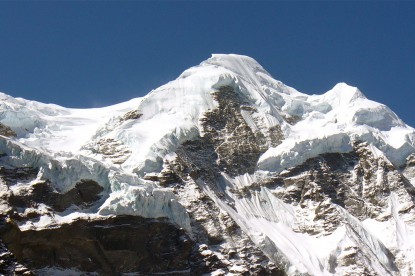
226,169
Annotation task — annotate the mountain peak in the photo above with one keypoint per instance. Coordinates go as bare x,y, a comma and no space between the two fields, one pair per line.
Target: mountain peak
240,64
227,60
223,160
351,91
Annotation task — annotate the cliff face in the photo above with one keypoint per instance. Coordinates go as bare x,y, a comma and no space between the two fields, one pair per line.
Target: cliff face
224,171
109,246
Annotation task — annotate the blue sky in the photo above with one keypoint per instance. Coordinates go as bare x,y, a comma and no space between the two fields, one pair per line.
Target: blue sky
89,54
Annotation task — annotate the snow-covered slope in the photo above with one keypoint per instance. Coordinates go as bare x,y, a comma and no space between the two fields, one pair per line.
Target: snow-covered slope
320,184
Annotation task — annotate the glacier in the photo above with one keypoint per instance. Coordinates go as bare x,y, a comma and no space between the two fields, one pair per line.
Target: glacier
129,148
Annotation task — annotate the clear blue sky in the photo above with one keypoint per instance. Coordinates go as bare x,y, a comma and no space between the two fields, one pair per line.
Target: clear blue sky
84,54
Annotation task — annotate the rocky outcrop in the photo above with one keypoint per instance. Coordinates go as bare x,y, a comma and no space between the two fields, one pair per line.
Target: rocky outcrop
7,131
409,169
235,143
24,201
131,115
107,246
112,149
357,181
9,265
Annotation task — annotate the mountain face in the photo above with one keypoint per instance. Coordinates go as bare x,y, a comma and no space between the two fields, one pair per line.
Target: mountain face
223,171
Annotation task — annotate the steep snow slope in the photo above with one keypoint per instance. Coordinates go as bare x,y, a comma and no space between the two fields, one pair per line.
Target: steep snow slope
310,179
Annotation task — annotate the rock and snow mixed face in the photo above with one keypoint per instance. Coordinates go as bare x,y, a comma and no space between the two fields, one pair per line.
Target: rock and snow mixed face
320,184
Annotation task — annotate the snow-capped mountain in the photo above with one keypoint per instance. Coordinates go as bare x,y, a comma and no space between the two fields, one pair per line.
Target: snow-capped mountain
223,171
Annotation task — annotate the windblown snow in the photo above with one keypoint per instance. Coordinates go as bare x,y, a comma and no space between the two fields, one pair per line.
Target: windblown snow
72,144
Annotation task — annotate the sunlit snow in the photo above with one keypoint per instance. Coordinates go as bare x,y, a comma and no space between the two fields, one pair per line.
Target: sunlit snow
60,141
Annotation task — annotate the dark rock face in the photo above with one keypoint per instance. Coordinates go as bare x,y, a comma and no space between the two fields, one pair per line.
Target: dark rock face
228,145
113,149
83,195
6,131
13,175
237,146
108,246
23,205
410,161
357,181
9,265
131,115
325,173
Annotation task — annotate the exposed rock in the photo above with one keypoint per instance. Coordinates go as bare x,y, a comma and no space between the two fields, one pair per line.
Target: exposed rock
109,246
7,131
24,201
410,161
13,175
85,193
223,246
292,119
131,115
409,169
351,180
9,264
225,130
112,149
